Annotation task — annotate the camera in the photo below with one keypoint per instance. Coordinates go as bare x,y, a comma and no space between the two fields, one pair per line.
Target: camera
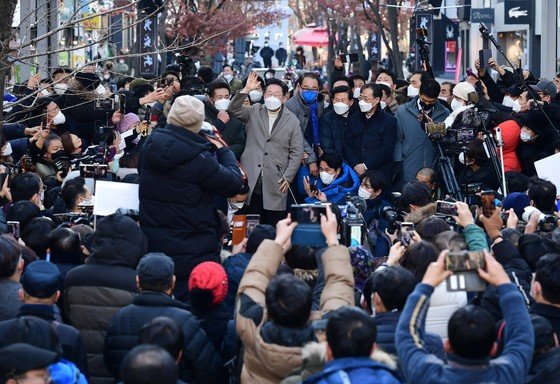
465,265
61,162
104,104
308,229
393,216
548,223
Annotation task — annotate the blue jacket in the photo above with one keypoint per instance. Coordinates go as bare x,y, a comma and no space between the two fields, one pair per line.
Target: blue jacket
354,370
332,130
372,142
420,366
235,266
347,183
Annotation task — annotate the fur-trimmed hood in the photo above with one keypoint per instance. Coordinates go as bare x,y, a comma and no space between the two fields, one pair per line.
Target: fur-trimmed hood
421,213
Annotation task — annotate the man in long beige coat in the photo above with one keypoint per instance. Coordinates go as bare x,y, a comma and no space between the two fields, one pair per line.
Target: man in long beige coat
274,148
274,312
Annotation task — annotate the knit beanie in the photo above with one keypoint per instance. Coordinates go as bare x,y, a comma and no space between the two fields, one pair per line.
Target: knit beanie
462,90
208,285
127,121
187,112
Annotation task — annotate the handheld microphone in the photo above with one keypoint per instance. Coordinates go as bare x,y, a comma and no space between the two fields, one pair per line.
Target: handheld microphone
279,167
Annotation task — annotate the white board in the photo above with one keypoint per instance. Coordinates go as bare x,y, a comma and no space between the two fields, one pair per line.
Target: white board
549,169
111,195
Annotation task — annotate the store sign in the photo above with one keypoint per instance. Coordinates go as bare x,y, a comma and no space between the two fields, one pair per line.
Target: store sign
482,15
147,40
517,12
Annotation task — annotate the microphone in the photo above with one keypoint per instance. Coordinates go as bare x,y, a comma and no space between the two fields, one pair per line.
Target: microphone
279,168
359,203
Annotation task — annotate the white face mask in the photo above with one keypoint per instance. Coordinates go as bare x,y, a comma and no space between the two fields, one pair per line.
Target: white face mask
442,98
272,103
45,93
340,108
516,106
60,88
383,104
255,96
59,118
228,78
100,89
508,101
326,178
268,76
357,92
363,193
106,77
236,206
7,151
121,61
221,104
525,137
365,107
456,104
412,91
326,104
383,83
462,158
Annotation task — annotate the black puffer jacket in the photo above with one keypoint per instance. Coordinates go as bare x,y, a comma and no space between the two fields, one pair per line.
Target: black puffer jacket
179,174
201,362
94,292
519,273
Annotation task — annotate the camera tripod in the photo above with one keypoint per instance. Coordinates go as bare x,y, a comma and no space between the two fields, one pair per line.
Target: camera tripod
446,169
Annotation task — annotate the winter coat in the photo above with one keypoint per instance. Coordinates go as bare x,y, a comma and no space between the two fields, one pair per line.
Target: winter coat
214,323
235,266
419,366
332,131
519,273
442,306
347,183
549,312
202,362
510,135
354,370
94,292
297,106
265,362
545,368
233,132
533,151
486,175
273,155
179,175
372,142
413,148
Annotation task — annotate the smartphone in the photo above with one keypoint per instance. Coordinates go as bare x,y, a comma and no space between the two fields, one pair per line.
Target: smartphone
406,230
252,221
488,202
484,55
312,187
122,102
94,171
307,213
44,120
465,265
350,58
13,228
446,208
169,81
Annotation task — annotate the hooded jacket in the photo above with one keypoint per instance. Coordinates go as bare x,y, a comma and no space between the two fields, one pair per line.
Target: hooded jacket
179,175
510,136
94,292
347,183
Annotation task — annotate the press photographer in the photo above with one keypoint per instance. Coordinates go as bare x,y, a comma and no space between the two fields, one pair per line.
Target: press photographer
477,167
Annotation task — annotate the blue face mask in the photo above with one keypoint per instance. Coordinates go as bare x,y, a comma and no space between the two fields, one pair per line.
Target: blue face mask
309,96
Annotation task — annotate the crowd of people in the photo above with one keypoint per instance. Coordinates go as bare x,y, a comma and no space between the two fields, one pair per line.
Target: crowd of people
163,294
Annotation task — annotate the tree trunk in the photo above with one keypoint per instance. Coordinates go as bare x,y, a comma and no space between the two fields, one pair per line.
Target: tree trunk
396,57
8,7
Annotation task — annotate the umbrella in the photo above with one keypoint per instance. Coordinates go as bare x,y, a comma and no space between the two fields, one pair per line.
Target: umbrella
315,37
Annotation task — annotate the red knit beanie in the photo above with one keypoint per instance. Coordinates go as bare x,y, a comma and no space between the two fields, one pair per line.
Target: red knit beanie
210,276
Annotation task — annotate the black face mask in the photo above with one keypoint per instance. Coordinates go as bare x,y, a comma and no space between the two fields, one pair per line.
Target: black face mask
426,107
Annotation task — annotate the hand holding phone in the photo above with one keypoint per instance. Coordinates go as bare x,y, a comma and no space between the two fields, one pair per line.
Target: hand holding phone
487,199
406,233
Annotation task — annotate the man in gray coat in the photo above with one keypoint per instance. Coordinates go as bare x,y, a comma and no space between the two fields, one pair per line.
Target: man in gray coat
413,149
274,148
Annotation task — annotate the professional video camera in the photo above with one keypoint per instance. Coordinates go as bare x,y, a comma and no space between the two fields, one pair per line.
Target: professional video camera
185,61
61,162
394,217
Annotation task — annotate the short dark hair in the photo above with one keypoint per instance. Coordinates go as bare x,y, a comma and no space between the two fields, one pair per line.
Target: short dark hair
34,331
476,152
430,88
376,180
356,76
23,211
415,193
10,254
217,85
205,73
343,89
376,89
288,301
24,186
309,75
227,66
124,81
472,332
333,160
149,364
35,234
278,82
393,284
71,190
389,73
165,333
517,182
543,194
449,240
548,275
349,82
350,333
430,227
64,245
418,257
129,160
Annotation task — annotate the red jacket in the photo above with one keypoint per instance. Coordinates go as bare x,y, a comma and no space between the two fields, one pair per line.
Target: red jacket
510,135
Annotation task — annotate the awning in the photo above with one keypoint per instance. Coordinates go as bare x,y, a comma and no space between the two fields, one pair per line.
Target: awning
315,37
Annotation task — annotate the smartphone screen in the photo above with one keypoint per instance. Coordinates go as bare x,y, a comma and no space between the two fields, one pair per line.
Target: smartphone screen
487,200
13,228
406,231
446,208
303,214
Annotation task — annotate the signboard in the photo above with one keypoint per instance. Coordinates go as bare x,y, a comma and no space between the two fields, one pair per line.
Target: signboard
91,22
517,12
374,46
147,40
547,169
482,15
424,20
110,196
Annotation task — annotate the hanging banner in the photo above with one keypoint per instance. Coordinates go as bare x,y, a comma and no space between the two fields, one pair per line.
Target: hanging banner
147,40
